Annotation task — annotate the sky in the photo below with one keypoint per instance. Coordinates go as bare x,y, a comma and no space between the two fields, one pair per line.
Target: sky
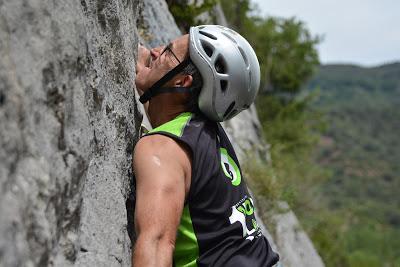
363,32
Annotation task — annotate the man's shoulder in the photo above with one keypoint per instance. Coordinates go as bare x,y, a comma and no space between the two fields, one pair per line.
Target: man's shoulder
162,145
163,151
155,143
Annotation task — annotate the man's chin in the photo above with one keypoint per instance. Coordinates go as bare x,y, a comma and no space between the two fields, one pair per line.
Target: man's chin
140,88
141,81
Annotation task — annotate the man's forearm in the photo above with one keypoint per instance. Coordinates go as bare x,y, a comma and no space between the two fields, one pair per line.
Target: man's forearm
149,252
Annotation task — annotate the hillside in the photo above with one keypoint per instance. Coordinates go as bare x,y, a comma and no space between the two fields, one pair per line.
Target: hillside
361,150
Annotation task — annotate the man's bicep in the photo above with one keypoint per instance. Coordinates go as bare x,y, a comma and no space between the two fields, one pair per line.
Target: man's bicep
160,191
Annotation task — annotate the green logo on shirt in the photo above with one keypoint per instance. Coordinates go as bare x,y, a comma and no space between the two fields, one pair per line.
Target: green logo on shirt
230,168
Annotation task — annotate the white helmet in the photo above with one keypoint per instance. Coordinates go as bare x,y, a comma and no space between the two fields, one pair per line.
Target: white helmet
229,68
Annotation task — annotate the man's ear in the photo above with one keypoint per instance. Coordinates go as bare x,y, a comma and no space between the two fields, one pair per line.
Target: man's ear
184,81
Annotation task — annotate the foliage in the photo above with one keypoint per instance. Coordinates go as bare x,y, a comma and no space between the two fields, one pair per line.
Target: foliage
262,179
186,14
237,14
285,48
360,148
266,188
293,131
288,53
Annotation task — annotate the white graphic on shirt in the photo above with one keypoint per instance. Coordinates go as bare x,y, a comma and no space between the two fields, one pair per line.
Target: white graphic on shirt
242,211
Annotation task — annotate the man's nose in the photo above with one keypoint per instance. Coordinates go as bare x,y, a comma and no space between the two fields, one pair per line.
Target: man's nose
155,52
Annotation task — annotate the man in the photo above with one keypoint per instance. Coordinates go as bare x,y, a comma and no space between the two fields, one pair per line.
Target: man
192,204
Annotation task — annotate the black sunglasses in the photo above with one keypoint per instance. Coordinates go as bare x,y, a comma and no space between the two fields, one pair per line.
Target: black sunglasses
169,49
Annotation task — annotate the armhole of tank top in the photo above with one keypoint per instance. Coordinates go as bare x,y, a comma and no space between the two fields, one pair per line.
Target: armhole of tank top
228,145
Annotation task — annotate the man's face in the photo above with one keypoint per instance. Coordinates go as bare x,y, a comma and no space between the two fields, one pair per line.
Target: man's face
153,64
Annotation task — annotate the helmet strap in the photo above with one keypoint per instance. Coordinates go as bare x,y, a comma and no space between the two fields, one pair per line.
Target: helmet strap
156,88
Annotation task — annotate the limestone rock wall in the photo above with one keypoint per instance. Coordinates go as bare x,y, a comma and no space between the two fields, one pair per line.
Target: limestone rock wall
294,245
68,123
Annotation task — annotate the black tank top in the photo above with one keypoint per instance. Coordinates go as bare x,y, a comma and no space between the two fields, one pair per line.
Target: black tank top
218,226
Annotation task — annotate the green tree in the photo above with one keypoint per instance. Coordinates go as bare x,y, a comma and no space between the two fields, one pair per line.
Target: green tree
186,14
289,54
285,48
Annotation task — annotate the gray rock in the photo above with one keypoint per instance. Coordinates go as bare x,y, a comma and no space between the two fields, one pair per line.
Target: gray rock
156,25
219,15
68,126
295,247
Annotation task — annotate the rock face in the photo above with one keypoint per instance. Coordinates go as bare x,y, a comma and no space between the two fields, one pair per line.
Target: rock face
68,126
294,245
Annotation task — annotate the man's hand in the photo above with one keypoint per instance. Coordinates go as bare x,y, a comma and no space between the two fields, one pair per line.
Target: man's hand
163,172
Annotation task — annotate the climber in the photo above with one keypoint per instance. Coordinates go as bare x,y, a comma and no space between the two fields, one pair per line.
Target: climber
192,204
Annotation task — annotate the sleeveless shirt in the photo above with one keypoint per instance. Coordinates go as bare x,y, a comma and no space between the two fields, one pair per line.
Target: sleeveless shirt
218,226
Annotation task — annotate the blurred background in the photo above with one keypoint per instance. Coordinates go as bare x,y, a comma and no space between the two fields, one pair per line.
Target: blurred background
329,107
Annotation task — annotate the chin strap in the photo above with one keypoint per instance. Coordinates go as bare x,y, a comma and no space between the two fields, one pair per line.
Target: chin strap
156,89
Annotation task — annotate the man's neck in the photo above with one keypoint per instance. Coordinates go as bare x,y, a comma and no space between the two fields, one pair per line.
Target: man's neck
159,115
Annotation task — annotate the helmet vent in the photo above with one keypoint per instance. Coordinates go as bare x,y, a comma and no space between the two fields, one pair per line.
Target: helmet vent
246,61
233,113
228,111
207,48
250,80
209,35
229,37
224,85
220,65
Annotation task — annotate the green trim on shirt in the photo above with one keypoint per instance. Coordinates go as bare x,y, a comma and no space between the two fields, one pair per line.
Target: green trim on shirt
175,126
186,247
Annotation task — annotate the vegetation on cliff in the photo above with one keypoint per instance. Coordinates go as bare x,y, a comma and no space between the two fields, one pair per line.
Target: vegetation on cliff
186,15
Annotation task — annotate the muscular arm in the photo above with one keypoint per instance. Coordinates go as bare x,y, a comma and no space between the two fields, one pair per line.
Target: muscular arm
162,169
